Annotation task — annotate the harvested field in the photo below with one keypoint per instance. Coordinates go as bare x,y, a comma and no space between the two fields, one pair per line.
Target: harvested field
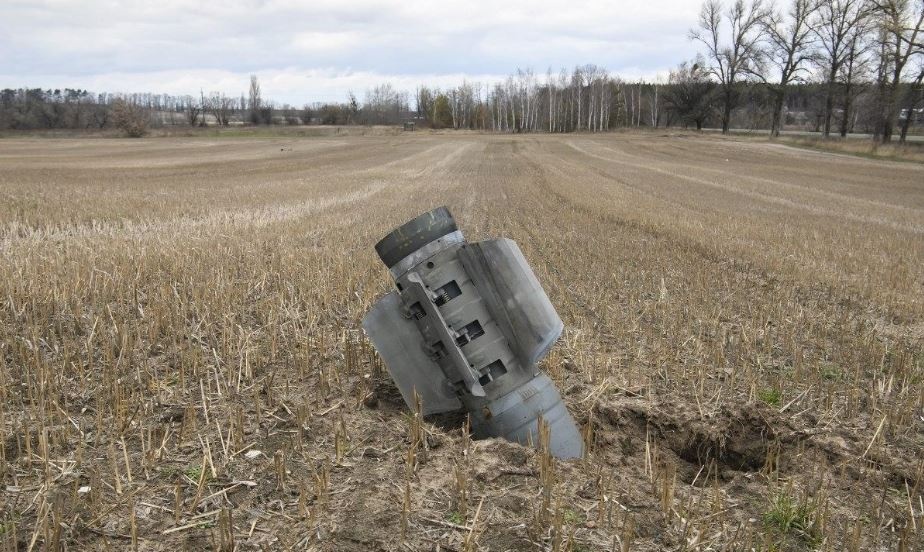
181,365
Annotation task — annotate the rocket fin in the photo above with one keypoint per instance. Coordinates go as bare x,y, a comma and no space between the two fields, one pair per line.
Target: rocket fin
400,345
514,296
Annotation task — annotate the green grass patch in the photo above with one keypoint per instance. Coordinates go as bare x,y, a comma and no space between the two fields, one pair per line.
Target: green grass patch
830,372
770,396
572,518
792,518
195,472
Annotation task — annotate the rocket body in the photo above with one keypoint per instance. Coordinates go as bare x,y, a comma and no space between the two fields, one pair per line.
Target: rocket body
465,328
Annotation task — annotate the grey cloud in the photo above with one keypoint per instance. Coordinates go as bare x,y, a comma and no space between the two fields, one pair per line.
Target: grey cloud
92,41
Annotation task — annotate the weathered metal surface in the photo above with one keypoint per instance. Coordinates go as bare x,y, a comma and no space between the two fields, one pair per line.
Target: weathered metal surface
466,328
514,297
397,341
414,234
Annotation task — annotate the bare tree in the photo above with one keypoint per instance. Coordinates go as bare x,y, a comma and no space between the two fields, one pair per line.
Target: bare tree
255,100
352,108
737,60
689,93
221,107
192,110
130,118
915,96
839,26
603,104
655,108
384,105
424,100
902,25
549,98
789,39
577,92
855,67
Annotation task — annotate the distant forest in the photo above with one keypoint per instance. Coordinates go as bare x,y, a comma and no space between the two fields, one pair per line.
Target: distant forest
830,66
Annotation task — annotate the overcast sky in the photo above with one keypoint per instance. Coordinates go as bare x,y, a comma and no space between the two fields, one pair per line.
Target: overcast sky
316,50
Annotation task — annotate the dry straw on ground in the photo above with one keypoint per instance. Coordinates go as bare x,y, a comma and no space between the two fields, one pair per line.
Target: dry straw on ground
181,365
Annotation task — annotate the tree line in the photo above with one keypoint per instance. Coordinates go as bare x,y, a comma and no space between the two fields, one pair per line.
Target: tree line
831,66
35,108
853,47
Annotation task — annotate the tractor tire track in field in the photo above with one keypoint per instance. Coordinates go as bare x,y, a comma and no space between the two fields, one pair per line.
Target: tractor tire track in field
761,196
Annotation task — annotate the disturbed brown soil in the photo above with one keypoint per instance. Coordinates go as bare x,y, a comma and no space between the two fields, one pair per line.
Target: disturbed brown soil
181,365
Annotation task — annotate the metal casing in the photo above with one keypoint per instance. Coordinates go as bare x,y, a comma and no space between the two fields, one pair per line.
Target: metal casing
514,296
398,342
466,328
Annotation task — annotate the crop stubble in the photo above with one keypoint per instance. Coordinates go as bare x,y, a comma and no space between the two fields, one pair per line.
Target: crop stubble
181,365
